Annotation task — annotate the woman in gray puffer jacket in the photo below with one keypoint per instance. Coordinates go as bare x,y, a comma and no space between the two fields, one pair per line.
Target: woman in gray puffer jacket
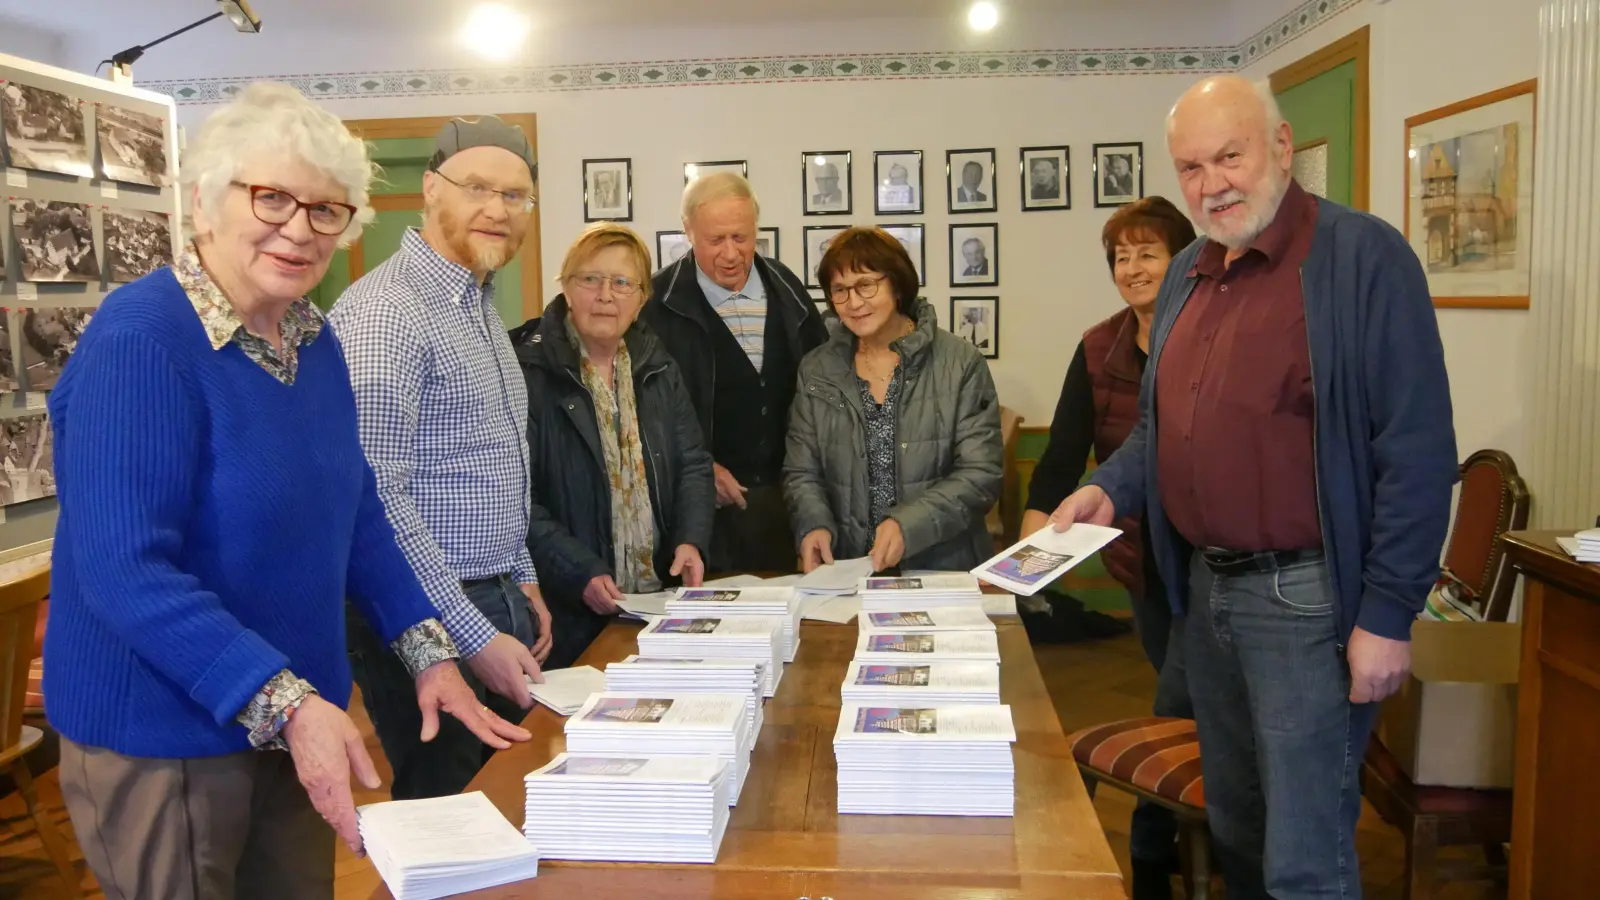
894,442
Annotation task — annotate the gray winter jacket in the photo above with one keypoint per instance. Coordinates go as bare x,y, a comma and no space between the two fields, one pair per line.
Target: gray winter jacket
949,459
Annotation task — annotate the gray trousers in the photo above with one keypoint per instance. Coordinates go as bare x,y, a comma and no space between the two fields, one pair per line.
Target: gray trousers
236,827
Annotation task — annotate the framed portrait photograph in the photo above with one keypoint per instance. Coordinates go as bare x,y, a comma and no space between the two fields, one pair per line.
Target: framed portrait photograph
1469,198
1118,173
1046,178
671,246
608,190
897,182
767,242
816,244
694,170
976,320
975,255
911,237
969,179
825,182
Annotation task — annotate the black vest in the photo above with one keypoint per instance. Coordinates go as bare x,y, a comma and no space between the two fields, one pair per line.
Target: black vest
750,412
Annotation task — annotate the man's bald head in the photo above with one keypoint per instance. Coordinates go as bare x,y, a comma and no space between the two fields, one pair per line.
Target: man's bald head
1232,150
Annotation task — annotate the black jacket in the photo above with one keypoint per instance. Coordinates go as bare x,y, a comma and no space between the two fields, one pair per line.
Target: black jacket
569,529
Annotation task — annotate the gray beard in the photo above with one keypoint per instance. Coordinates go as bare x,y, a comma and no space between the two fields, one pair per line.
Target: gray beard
1244,240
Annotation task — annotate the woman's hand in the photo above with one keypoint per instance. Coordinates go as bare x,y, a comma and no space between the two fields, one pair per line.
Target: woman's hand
686,562
326,748
546,639
601,595
888,545
816,549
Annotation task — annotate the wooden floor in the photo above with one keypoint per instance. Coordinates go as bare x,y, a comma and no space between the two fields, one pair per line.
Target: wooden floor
1089,683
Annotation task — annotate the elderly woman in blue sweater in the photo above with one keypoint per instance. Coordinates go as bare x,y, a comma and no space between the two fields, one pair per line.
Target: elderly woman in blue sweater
216,509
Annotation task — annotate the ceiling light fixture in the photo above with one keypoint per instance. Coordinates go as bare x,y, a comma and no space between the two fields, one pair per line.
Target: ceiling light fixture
495,31
238,12
983,16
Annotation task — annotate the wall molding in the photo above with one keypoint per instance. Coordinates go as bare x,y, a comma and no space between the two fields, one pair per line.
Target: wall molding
796,68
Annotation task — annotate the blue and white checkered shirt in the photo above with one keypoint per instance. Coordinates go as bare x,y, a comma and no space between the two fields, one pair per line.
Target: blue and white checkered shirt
744,312
443,412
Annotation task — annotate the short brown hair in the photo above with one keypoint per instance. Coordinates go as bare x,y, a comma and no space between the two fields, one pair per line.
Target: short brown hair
1153,216
867,248
604,235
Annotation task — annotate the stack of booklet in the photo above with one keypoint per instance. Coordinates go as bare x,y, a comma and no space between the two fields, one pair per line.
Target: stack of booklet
922,684
754,638
661,809
660,724
690,676
919,621
425,849
744,601
932,646
925,761
920,592
1583,546
565,690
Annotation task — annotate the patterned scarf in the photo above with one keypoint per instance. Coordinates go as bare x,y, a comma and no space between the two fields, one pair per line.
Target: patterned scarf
633,525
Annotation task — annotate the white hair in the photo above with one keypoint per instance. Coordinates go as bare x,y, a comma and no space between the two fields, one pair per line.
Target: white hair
717,186
271,121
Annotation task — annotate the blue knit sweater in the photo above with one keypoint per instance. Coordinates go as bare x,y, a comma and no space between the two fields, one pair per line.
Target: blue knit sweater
212,519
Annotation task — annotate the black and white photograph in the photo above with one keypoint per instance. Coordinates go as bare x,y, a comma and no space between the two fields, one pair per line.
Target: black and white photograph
1046,178
8,365
1118,174
138,242
825,185
56,239
133,146
49,335
817,238
897,178
969,179
911,238
767,242
45,130
28,467
671,246
975,255
608,190
977,321
694,170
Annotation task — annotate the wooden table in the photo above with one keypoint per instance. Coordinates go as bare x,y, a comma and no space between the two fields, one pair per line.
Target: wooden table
1555,826
786,839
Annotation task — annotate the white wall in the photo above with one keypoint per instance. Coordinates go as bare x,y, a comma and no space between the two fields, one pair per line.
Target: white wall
30,42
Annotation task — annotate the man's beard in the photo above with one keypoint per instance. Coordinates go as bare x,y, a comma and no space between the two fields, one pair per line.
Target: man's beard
1255,221
486,258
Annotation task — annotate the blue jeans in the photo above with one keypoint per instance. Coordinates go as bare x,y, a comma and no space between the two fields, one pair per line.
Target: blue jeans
445,764
1280,742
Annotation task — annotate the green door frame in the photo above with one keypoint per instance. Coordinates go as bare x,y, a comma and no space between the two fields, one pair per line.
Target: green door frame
1354,47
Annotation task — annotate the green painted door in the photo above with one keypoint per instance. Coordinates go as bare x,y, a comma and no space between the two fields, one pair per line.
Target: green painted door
1322,112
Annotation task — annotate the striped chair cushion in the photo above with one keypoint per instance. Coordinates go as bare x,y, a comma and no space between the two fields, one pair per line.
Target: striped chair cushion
33,700
1159,755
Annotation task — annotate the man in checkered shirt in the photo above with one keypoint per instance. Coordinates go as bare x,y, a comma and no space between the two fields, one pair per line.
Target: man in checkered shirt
443,415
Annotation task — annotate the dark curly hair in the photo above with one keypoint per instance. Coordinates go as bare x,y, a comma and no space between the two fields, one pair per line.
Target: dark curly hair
1151,217
866,248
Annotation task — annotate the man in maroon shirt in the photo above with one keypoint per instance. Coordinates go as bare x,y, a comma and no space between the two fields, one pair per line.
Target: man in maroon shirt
1294,459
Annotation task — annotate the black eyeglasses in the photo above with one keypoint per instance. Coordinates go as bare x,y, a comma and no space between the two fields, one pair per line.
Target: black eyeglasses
275,206
866,289
516,201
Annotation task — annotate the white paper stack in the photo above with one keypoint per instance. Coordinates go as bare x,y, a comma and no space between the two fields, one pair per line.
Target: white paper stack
656,724
565,690
933,646
836,578
744,601
662,809
432,848
644,674
1583,546
922,684
881,594
922,621
925,761
756,638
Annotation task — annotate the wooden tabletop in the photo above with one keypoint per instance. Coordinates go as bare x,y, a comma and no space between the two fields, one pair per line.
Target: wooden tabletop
786,838
1537,553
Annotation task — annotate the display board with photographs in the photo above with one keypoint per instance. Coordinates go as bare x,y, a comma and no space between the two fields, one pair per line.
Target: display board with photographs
911,237
817,238
44,130
1046,178
970,181
137,243
671,246
976,320
1118,173
694,170
133,145
56,241
825,183
897,182
975,255
608,190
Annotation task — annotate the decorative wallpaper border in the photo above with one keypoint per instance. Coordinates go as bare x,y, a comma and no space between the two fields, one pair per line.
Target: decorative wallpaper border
770,69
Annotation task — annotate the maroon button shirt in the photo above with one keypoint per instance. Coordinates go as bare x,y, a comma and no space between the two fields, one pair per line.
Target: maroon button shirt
1234,453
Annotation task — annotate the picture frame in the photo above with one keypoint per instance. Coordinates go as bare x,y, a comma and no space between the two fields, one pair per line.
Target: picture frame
1475,244
1046,178
693,170
976,320
974,254
1118,173
671,246
816,243
608,190
970,194
914,239
897,182
769,238
825,187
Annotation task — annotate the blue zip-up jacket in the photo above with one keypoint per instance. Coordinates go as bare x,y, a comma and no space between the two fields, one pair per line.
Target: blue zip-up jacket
1384,436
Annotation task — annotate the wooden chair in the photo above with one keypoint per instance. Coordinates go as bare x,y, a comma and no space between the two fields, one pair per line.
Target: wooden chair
1005,518
19,606
1493,500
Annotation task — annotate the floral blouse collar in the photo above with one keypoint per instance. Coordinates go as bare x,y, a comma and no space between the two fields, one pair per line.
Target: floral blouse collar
223,326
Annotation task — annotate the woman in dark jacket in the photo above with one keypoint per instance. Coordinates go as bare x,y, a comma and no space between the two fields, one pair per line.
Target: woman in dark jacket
622,491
